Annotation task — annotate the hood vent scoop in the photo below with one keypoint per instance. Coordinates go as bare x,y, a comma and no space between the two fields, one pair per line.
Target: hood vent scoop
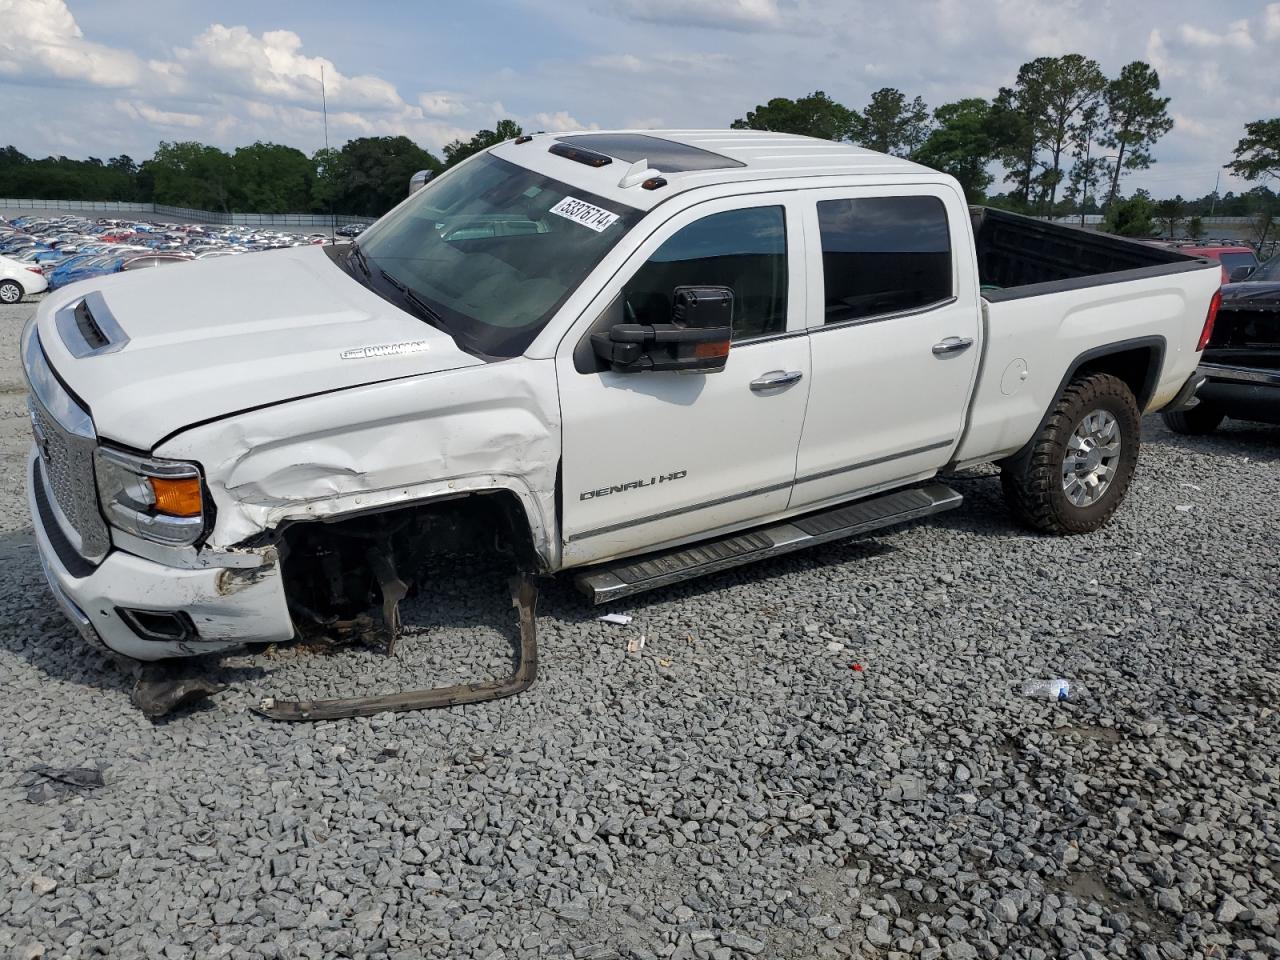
89,328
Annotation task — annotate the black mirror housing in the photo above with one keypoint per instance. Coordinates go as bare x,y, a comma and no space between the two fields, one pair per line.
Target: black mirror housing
696,340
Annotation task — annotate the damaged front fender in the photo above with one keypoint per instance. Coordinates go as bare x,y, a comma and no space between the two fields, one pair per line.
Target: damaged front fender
473,430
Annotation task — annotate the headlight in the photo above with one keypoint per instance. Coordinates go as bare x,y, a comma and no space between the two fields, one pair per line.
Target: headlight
160,500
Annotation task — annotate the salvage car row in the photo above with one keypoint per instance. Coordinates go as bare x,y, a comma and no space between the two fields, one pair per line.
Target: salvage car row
39,253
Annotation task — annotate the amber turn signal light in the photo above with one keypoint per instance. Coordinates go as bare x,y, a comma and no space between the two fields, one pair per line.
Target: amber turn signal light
717,348
177,496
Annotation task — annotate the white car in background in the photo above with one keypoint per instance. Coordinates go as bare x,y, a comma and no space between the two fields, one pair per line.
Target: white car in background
19,279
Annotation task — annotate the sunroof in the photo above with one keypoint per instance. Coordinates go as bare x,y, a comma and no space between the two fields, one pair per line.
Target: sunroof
665,156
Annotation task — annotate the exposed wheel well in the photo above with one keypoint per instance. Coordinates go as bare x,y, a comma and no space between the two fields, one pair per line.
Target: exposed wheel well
326,564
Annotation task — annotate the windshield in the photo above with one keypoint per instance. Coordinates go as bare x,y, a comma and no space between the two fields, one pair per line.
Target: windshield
490,251
1269,271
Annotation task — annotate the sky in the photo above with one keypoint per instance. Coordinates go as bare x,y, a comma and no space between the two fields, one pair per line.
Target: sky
103,77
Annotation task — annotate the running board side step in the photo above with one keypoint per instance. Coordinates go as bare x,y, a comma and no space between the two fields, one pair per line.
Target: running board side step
622,578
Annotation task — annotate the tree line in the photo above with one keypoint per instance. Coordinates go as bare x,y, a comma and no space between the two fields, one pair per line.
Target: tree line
1063,133
364,177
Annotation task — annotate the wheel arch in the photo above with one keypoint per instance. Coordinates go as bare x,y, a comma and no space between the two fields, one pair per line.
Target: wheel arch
1136,362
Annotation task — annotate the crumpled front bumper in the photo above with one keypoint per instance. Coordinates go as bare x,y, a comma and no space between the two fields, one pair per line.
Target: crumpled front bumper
227,606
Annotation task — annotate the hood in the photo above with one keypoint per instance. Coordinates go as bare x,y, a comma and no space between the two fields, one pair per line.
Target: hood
1261,294
190,343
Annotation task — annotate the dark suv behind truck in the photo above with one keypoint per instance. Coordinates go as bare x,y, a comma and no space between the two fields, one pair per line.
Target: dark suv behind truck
1241,366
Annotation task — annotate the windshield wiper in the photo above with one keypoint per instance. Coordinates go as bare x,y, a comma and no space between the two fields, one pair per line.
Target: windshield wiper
361,260
427,311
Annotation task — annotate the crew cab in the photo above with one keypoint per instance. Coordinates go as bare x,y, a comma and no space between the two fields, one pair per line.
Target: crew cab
636,356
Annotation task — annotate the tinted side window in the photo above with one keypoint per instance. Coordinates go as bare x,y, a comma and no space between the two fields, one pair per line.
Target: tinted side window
745,250
883,255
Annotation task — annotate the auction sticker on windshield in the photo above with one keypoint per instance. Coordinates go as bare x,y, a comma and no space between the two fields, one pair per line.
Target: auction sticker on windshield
579,211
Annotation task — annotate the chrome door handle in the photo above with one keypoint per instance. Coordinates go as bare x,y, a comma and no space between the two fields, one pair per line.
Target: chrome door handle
776,378
952,345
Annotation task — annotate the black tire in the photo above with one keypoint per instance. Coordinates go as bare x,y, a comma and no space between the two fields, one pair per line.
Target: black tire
10,292
1033,482
1196,421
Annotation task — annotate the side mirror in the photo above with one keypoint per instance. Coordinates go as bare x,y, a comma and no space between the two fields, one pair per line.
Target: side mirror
419,180
696,340
1240,273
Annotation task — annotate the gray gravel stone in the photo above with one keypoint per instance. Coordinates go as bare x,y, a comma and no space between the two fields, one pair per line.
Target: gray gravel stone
754,798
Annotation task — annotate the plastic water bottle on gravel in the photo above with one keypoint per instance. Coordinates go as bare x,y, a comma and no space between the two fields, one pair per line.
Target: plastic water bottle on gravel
1055,688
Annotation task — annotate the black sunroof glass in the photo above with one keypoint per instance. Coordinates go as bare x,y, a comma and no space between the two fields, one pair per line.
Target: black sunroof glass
665,156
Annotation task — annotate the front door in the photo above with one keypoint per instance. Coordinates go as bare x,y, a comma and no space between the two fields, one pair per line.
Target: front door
895,332
654,458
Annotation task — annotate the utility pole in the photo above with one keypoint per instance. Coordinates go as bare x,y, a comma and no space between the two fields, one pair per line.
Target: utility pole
1214,202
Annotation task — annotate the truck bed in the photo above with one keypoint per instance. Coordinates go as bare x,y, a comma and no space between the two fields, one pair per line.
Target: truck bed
1021,256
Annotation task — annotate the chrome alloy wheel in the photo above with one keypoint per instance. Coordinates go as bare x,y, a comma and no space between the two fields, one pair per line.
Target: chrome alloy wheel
10,293
1092,456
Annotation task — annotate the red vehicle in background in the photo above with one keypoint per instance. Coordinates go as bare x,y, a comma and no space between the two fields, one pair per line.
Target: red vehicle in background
1232,257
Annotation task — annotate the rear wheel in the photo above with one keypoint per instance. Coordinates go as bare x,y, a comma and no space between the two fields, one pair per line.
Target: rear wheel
1081,462
1195,421
10,292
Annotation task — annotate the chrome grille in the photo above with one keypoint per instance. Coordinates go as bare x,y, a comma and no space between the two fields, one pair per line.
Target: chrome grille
68,468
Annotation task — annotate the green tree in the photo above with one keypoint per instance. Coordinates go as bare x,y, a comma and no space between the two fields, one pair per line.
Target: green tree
891,123
1131,217
187,173
963,144
1136,117
816,115
376,172
1261,206
270,178
459,150
1170,213
1086,169
1069,87
1016,109
1258,152
1195,228
327,189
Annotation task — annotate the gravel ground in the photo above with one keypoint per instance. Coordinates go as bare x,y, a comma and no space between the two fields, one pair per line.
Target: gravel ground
738,789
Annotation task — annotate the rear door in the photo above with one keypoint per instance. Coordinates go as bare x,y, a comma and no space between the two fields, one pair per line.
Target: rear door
656,457
894,326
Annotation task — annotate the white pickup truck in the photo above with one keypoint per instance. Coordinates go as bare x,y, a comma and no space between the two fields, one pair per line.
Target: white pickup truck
638,356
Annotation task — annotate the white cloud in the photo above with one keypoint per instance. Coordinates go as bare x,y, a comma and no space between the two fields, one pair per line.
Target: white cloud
559,122
1237,36
663,63
440,103
160,118
1271,22
617,62
40,40
716,14
272,65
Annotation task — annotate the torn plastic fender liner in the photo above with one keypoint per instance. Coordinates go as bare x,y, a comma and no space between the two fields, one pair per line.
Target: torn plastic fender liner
524,597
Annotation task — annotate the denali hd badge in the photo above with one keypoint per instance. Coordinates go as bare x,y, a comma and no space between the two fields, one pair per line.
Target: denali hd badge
385,350
632,485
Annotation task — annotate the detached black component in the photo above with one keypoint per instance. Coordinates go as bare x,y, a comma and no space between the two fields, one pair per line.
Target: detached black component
166,685
524,597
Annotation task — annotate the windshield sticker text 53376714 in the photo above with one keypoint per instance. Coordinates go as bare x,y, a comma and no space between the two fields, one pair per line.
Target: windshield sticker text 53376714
579,211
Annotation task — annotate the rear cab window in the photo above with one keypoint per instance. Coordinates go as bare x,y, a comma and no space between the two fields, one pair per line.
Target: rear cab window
883,256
